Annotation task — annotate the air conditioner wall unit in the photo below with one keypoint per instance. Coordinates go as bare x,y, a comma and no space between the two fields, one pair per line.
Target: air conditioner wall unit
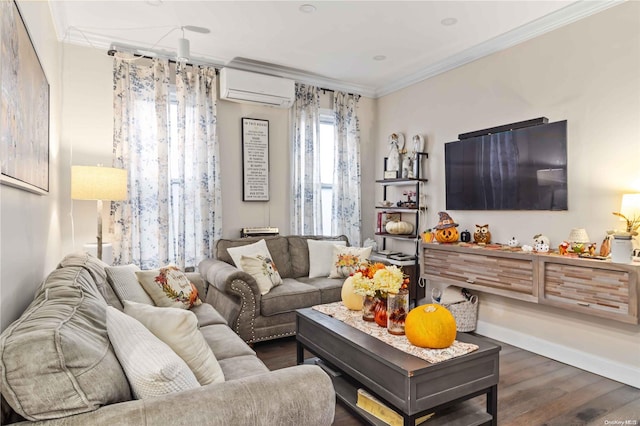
254,88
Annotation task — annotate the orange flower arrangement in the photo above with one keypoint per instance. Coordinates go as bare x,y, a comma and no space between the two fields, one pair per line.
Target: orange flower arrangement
378,279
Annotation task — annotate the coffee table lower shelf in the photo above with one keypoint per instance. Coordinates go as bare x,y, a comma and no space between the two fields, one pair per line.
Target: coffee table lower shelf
461,414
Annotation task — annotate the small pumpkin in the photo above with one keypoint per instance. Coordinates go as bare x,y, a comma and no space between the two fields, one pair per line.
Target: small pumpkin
398,227
447,235
430,326
350,299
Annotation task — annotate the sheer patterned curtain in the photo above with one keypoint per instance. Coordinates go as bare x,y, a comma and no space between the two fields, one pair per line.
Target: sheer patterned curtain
306,210
345,213
169,146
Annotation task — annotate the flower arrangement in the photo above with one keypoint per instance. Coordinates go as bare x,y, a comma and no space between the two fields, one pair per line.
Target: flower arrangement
377,279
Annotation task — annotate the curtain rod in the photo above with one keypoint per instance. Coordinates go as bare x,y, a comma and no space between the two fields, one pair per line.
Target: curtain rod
112,52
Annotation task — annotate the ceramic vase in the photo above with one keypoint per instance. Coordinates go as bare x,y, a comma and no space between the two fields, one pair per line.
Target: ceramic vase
381,311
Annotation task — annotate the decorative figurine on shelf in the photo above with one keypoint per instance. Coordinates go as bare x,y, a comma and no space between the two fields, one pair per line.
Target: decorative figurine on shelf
407,167
563,248
446,231
513,242
418,146
541,247
482,235
427,236
539,238
605,248
396,144
592,249
465,236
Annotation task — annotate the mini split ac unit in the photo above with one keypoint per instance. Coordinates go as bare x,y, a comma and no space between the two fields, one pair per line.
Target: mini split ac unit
249,87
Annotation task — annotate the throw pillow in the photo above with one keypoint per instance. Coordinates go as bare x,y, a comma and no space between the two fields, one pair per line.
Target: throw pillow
263,270
169,287
254,249
152,368
321,256
178,328
124,282
347,259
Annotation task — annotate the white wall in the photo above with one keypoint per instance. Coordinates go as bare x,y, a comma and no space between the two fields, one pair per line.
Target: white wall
589,74
30,224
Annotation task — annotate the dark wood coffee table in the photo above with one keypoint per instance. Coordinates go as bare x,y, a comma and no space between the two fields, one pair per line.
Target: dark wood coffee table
410,385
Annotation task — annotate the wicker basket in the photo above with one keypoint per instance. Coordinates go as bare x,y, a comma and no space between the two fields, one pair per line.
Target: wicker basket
465,313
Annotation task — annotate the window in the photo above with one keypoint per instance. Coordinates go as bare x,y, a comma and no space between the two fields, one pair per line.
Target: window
327,133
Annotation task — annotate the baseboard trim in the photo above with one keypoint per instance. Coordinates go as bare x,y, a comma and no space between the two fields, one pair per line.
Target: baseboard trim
623,373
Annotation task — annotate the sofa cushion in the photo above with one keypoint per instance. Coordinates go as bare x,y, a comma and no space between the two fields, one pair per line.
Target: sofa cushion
178,328
95,267
224,342
289,296
56,359
242,366
207,315
152,367
321,257
330,288
169,287
347,260
124,282
263,270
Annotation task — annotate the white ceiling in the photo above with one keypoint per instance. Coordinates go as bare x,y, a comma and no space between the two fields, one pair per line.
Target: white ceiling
333,46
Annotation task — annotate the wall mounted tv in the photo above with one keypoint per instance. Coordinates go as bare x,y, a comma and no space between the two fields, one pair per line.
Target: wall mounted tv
509,167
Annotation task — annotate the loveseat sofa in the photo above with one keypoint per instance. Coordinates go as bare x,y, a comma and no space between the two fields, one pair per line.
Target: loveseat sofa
58,367
257,317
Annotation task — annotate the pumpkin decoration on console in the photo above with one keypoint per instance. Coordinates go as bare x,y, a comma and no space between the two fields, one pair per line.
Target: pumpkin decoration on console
446,229
430,326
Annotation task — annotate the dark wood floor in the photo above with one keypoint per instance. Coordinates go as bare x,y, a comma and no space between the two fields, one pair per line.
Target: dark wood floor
533,390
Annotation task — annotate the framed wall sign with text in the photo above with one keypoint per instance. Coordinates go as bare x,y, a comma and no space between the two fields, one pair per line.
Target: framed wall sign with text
255,159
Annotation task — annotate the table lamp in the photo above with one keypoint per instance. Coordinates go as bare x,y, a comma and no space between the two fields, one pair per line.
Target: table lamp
98,183
630,211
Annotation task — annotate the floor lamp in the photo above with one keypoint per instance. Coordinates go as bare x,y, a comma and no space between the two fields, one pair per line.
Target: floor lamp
98,183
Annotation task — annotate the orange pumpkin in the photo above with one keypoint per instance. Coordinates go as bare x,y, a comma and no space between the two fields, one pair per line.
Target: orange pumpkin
447,235
430,326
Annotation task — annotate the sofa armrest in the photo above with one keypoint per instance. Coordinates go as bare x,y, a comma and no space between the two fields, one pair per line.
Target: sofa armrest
300,395
242,287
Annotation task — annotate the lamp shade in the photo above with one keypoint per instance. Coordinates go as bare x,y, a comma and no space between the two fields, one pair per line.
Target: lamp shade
98,183
630,206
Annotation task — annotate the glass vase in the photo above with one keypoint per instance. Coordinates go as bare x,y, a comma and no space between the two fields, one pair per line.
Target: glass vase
368,308
397,306
381,311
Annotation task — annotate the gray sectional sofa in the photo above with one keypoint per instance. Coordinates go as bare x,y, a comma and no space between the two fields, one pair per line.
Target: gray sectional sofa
58,367
256,317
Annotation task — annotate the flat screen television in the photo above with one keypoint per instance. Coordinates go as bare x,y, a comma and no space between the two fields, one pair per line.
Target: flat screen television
521,169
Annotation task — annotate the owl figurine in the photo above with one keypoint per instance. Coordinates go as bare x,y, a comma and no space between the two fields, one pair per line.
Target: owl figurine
482,234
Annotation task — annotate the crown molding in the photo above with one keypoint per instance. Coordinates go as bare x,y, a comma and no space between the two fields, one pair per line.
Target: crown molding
552,21
571,13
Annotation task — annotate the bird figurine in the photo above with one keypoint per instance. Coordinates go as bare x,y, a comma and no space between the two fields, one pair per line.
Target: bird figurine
482,234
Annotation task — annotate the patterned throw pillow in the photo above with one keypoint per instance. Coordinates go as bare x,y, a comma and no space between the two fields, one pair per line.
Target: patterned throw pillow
169,287
346,260
263,270
152,368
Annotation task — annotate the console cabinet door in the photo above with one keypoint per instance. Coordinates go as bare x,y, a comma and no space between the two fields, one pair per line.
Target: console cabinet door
505,274
596,288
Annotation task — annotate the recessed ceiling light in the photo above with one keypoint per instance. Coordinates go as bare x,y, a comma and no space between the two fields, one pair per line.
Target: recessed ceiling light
307,8
449,21
379,58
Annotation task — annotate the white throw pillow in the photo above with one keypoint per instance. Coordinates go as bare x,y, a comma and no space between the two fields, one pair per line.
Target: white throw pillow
254,249
152,368
321,256
346,260
178,328
169,287
263,270
125,284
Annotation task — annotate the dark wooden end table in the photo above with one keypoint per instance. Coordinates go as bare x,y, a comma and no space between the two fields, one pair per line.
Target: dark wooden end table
410,385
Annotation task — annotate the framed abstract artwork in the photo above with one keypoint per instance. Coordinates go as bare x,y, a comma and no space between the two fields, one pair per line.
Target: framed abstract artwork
24,106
